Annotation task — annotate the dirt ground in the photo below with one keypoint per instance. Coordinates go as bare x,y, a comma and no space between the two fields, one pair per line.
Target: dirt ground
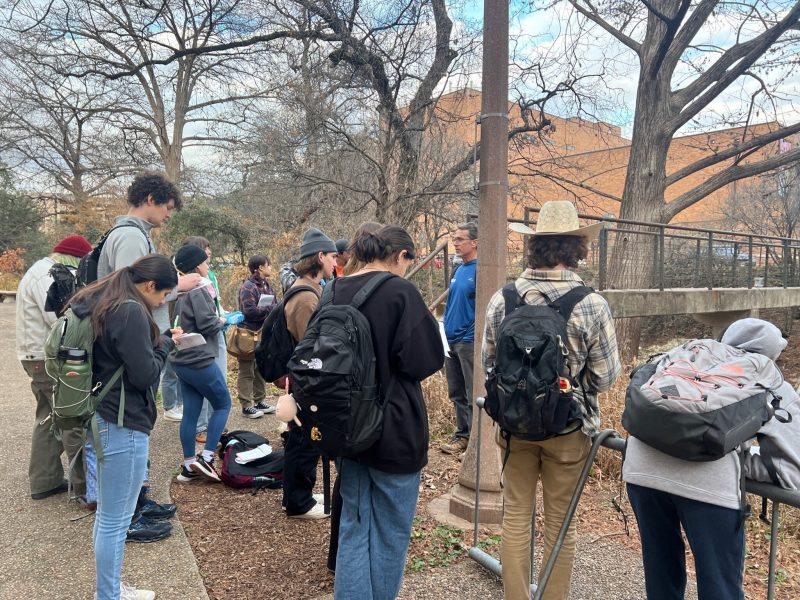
244,544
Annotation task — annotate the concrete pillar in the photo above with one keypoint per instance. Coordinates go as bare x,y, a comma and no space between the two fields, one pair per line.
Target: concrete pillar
492,255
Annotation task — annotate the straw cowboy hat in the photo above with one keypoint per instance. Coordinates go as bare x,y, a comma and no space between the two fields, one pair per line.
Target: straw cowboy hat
558,217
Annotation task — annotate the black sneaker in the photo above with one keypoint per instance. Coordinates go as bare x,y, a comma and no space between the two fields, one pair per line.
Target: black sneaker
251,412
56,490
157,512
187,476
143,530
205,467
264,408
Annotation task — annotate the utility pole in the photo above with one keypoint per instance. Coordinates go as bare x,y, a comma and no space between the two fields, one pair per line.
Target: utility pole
492,253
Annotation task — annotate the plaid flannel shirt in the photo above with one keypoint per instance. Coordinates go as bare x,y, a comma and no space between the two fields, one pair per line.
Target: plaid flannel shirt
592,340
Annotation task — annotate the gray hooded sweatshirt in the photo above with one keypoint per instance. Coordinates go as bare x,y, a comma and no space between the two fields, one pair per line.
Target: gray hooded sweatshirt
715,482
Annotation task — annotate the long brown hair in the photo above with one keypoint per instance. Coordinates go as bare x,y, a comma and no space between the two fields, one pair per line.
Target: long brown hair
106,295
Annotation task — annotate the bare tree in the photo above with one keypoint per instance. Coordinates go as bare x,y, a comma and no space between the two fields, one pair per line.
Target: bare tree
680,76
184,102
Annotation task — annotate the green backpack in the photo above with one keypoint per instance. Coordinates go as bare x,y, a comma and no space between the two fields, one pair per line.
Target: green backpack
68,361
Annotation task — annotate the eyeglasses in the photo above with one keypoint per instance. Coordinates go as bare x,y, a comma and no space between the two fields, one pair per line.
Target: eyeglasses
460,240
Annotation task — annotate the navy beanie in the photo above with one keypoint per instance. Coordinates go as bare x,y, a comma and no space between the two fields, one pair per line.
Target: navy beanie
188,257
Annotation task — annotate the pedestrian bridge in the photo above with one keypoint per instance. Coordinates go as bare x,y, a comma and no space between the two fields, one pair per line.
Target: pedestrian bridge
716,307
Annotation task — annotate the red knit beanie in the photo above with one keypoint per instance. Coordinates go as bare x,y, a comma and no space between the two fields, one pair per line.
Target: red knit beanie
74,245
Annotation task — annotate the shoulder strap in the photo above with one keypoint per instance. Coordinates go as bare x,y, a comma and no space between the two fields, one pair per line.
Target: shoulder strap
296,290
566,303
327,294
512,298
103,239
366,291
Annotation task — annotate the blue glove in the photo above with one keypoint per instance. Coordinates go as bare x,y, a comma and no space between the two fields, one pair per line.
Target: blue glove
234,318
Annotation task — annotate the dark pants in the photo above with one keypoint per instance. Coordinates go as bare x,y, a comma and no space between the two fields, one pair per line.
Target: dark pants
45,470
299,472
716,537
459,368
336,517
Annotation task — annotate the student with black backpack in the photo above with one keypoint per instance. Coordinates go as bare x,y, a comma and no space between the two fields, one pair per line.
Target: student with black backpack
121,309
552,382
380,483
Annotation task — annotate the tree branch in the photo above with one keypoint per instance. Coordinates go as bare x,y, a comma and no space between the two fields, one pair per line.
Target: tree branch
729,175
592,14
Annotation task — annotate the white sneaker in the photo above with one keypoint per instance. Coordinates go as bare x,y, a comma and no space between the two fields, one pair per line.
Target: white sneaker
316,512
174,414
128,592
320,498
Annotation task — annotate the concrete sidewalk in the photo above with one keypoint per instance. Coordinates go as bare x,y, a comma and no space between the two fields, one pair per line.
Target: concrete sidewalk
46,555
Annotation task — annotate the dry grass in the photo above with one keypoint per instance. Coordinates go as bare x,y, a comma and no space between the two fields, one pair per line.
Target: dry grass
440,409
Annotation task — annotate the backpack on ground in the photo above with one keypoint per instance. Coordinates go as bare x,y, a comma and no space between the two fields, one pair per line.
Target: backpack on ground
262,472
276,343
333,376
87,267
62,289
702,399
529,392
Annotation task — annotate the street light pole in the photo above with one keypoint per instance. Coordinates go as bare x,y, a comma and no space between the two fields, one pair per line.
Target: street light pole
492,254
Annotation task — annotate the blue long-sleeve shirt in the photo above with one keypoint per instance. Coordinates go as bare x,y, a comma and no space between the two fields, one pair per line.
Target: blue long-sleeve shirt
459,314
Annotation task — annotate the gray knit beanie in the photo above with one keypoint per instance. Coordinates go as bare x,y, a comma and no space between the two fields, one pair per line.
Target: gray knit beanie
315,241
755,335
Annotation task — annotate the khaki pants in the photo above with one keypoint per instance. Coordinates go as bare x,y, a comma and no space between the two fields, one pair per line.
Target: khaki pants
45,471
558,462
250,385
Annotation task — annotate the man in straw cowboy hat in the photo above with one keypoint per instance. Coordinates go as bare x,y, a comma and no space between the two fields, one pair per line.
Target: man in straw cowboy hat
555,248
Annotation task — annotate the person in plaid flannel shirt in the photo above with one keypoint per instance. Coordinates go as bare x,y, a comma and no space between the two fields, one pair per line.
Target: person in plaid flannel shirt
554,249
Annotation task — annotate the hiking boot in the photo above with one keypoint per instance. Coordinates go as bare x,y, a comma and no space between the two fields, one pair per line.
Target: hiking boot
143,530
455,446
128,592
264,408
186,476
155,511
56,490
316,512
251,412
173,414
205,467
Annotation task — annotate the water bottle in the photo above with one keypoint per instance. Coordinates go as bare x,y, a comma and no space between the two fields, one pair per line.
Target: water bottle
74,384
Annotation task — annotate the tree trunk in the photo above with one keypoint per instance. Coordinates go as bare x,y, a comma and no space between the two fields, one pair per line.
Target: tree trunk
645,182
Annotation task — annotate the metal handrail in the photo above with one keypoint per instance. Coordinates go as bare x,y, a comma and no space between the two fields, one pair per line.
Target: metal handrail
611,439
425,261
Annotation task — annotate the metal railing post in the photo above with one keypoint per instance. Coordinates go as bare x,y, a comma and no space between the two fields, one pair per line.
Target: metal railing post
785,263
697,252
773,549
663,260
710,261
601,276
735,261
750,262
654,280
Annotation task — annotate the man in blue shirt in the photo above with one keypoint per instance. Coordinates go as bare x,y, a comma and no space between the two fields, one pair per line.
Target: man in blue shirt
459,327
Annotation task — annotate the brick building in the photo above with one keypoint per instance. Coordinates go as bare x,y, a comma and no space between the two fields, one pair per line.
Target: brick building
586,161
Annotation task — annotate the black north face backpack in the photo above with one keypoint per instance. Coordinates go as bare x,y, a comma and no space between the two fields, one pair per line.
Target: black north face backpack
61,290
333,376
529,391
276,343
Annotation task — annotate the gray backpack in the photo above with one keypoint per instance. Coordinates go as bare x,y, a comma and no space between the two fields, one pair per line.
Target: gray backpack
702,399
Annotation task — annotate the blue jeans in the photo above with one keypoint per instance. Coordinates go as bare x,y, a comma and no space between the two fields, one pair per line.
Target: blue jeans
119,479
170,388
375,530
196,384
716,537
222,362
